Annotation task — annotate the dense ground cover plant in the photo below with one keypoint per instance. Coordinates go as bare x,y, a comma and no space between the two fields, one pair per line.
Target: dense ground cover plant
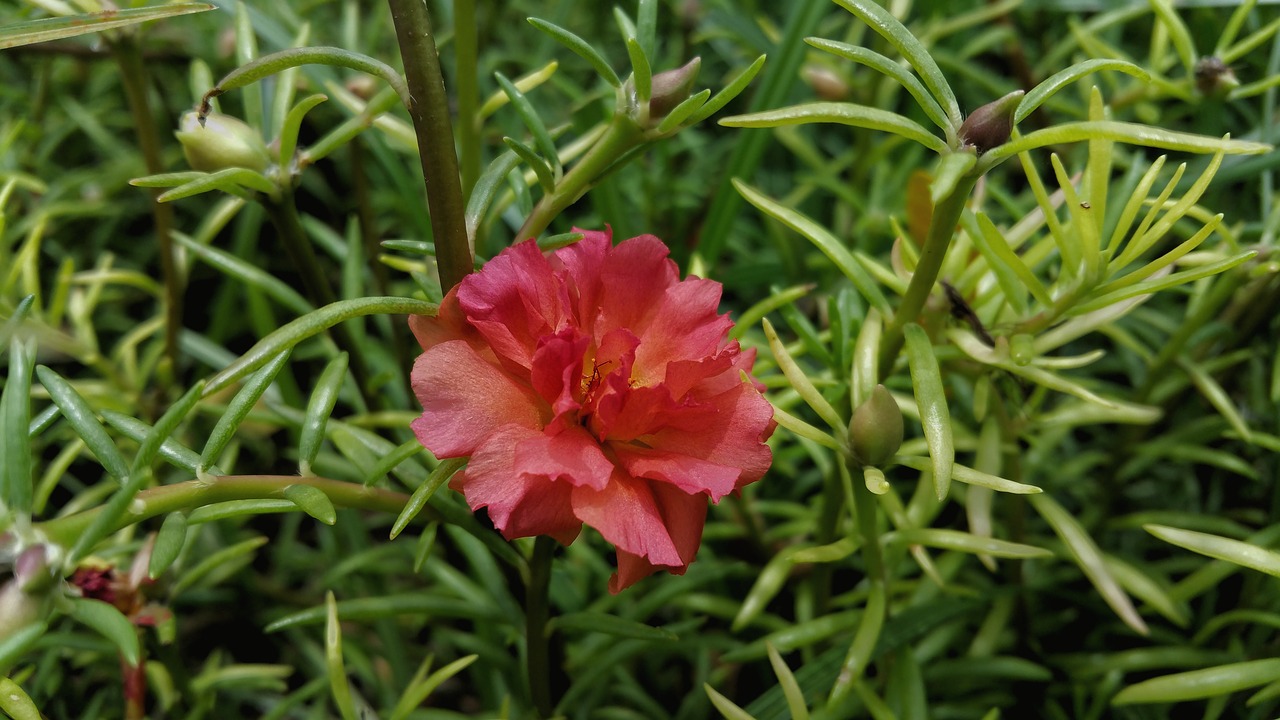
1009,289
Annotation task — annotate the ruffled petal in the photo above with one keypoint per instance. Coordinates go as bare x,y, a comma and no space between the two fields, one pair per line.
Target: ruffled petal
685,515
447,324
465,399
514,301
736,438
693,475
684,326
556,374
519,505
626,513
572,456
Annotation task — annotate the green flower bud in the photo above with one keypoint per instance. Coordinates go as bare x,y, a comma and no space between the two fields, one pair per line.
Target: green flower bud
221,142
875,432
991,124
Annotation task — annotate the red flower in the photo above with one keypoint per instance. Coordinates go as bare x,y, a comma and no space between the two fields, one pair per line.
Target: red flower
592,385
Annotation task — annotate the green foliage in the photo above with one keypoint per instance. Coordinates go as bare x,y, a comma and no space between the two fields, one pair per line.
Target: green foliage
1079,521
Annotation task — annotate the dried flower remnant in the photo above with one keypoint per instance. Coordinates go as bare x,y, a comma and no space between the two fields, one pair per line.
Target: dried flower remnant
594,386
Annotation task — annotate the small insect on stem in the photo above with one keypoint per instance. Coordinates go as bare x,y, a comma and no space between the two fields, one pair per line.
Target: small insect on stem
960,310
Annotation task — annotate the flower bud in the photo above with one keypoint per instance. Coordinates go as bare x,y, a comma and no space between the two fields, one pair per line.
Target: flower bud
671,88
18,609
875,432
31,571
1214,77
221,142
991,124
825,82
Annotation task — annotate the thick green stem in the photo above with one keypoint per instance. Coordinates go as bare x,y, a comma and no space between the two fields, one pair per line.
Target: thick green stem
434,129
465,41
876,610
537,634
197,493
133,73
622,135
941,229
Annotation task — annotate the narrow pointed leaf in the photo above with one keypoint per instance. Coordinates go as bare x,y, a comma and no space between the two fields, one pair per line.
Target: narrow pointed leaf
313,502
841,114
889,67
15,415
581,48
110,623
239,408
312,324
246,272
965,542
728,92
1087,555
1201,684
59,28
1215,546
169,542
1038,95
532,122
438,477
912,49
323,398
826,242
931,397
799,380
81,417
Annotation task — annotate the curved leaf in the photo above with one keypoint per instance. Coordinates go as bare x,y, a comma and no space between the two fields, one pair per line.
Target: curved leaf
842,114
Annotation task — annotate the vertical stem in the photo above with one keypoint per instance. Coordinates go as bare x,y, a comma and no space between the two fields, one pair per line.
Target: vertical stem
537,613
941,228
134,76
431,124
135,689
466,46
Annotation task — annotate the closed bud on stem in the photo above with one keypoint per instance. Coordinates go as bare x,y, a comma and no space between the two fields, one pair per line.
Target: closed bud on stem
875,432
32,571
991,124
1214,77
671,88
221,142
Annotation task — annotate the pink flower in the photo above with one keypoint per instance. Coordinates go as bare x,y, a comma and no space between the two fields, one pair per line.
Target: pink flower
594,386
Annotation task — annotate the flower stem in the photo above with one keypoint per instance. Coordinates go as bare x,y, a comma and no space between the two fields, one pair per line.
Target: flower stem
133,73
622,135
196,493
941,229
466,47
431,123
537,635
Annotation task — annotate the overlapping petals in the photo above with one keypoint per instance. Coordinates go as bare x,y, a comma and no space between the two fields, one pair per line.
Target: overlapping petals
594,386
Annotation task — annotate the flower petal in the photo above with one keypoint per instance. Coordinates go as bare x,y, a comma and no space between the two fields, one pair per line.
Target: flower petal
465,399
556,374
572,455
685,326
685,515
691,474
514,301
735,438
626,513
519,505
